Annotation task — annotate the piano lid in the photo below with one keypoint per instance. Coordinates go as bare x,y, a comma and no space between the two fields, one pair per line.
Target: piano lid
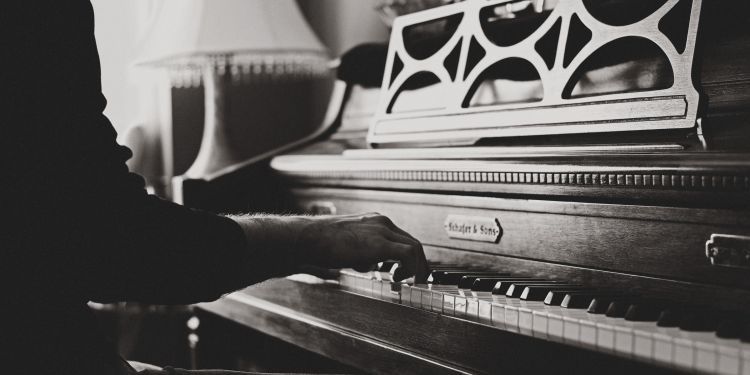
505,68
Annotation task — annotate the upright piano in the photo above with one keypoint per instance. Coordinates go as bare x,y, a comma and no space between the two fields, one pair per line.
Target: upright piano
578,172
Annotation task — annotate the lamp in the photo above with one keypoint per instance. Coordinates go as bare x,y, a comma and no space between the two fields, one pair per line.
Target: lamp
225,41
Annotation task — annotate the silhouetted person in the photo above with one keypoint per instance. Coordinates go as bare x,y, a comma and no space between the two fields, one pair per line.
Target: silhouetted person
78,227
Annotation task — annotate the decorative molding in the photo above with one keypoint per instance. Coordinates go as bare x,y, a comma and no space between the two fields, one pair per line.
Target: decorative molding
655,180
735,178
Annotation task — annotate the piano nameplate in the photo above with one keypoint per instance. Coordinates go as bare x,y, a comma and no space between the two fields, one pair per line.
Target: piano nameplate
474,228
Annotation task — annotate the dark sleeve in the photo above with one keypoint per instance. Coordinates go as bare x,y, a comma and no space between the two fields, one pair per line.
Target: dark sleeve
155,251
77,225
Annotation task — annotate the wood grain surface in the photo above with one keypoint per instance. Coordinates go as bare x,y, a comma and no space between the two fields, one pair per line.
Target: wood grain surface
387,338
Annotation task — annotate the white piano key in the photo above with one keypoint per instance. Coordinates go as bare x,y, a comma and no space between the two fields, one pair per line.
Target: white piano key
458,300
484,313
745,355
555,327
525,320
511,318
580,324
426,300
605,337
345,281
705,350
729,357
565,324
539,324
588,333
624,340
571,330
472,308
664,347
373,289
684,354
386,290
383,289
396,291
630,343
388,293
459,307
377,289
643,345
437,301
416,296
363,285
449,301
497,313
526,315
706,355
406,295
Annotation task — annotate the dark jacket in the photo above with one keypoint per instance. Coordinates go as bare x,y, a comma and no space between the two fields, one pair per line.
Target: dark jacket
76,225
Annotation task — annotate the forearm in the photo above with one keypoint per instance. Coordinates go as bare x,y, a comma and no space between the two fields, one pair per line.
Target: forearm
282,244
274,241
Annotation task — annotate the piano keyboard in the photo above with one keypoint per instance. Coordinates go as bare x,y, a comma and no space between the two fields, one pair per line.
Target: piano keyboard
611,321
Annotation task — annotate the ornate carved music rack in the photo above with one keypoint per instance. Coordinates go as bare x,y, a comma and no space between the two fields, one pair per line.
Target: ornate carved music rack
568,38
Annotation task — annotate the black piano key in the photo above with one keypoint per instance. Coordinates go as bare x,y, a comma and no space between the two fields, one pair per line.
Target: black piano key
453,277
730,327
556,297
516,289
745,334
644,311
600,304
698,321
467,281
486,284
617,308
437,272
539,293
440,275
583,299
387,266
501,287
670,317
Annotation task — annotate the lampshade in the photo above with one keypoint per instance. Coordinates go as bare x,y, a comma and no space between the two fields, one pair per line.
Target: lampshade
265,44
188,31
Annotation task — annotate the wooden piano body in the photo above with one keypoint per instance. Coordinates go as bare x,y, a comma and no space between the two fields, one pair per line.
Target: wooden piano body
663,213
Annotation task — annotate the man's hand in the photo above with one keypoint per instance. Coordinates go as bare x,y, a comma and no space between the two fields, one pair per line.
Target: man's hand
356,241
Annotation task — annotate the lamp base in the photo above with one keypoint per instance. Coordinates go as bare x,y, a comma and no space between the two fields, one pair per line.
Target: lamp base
216,151
252,105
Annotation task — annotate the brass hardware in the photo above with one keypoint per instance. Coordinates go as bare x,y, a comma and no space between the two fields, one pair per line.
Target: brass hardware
728,250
